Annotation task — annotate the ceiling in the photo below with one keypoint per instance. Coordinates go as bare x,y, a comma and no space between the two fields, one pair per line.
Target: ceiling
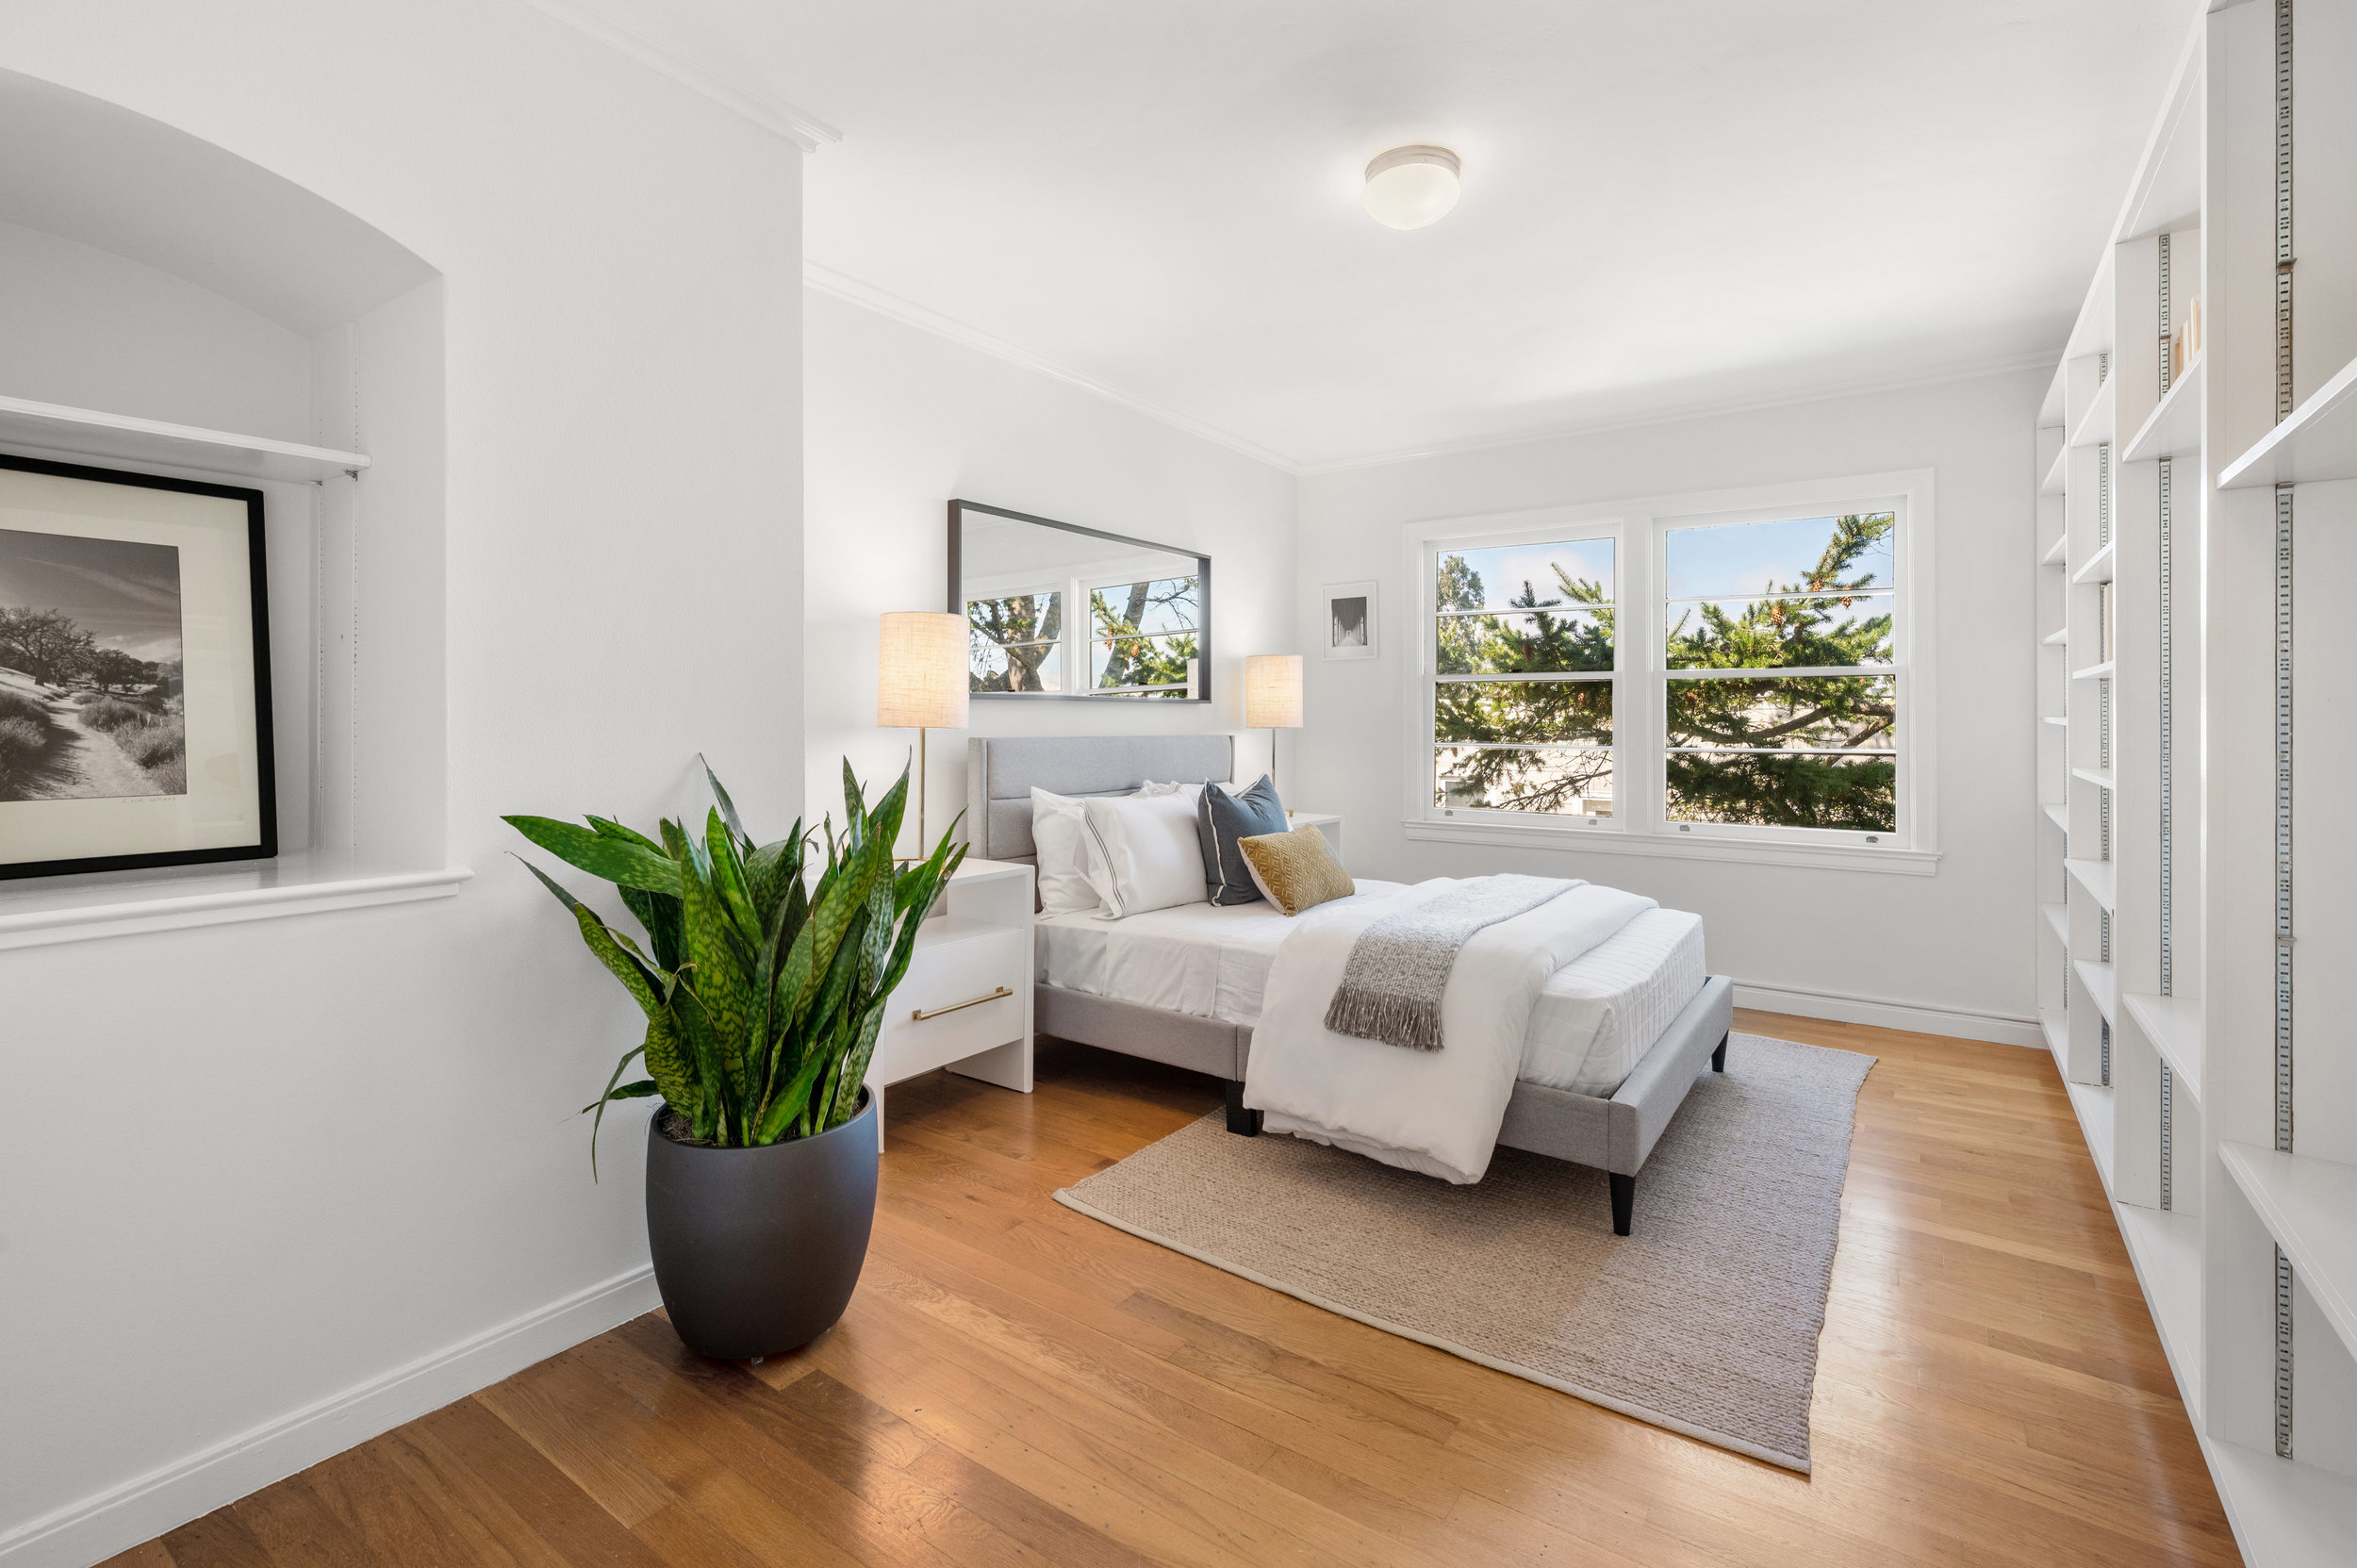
1666,206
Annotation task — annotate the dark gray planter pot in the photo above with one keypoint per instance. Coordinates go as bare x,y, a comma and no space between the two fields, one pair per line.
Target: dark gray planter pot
757,1250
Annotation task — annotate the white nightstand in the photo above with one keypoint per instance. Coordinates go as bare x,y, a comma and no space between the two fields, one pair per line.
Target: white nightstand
1326,824
965,1002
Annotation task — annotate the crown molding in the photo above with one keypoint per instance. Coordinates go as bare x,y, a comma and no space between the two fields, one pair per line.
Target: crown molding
827,280
691,71
2037,360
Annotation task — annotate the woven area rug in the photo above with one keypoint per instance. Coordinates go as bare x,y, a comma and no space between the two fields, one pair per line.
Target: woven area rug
1704,1321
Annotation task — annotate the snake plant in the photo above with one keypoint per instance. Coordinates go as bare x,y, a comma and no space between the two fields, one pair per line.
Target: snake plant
763,991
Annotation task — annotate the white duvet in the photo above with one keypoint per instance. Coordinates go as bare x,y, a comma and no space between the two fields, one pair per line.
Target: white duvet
1435,1111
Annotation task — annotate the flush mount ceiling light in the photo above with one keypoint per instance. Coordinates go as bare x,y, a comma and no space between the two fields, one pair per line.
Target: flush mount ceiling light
1411,186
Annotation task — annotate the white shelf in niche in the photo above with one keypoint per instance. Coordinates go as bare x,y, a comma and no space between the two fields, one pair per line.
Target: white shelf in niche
2174,427
2095,425
2056,719
2097,567
2056,640
2058,920
2315,441
2056,812
2052,483
50,910
2102,985
52,429
2093,672
2173,1024
2100,777
2310,1206
2099,877
2166,1248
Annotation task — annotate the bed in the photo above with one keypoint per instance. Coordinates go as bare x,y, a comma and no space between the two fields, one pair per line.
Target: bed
1619,1036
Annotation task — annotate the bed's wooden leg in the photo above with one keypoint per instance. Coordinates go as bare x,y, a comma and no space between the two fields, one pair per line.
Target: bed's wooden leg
1718,1057
1623,1202
1244,1123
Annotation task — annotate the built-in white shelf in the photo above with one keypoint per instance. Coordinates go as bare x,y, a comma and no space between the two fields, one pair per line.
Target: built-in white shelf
2174,427
2056,719
2052,483
2097,567
52,429
2286,1515
2093,1104
2057,639
2100,777
2173,1024
2310,1206
2093,672
120,903
2099,877
2095,425
2056,1024
2103,983
2055,551
2316,441
2058,918
2055,811
2165,1246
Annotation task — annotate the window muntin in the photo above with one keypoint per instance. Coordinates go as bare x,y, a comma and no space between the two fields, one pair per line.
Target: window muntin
1809,747
1523,660
1142,636
1015,642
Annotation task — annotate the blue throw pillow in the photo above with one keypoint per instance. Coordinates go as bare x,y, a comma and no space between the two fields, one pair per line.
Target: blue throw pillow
1221,819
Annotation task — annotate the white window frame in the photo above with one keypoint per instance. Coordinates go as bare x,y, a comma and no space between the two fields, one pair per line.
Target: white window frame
1641,678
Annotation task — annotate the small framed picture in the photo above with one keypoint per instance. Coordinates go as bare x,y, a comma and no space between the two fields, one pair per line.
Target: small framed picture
1350,621
135,720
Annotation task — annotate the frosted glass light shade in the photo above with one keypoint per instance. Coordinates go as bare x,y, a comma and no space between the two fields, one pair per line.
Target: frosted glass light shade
1272,691
1411,186
920,670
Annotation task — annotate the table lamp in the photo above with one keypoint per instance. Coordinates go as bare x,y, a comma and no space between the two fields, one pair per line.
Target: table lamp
1272,699
921,683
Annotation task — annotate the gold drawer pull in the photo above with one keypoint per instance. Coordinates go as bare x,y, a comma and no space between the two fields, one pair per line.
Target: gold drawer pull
920,1014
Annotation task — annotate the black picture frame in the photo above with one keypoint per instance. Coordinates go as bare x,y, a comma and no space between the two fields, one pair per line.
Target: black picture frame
958,508
265,844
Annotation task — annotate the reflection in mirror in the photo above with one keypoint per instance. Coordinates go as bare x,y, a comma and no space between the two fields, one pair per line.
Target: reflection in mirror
1057,610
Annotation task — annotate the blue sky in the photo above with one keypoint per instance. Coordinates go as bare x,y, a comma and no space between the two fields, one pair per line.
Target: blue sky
1723,561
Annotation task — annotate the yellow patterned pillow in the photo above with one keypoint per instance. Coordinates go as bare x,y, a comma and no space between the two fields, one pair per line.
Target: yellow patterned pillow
1295,870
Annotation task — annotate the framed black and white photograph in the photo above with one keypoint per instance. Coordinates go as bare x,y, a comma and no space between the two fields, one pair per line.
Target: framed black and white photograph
135,725
1350,621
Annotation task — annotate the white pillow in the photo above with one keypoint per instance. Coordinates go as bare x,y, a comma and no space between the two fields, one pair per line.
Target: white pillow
1058,830
1143,852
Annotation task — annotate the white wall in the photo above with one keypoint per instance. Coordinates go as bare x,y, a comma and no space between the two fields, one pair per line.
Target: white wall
902,421
1953,949
276,1186
87,328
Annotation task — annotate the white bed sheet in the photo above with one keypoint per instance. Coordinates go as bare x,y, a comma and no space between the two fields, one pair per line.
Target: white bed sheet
1597,1017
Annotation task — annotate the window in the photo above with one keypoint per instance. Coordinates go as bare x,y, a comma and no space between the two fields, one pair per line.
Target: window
1739,675
1140,639
1522,660
1142,636
1815,744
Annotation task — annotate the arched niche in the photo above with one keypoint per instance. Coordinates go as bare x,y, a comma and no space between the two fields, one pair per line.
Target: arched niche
169,307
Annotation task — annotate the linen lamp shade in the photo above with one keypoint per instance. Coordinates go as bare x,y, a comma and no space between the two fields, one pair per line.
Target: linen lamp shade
920,681
1272,691
1272,698
920,672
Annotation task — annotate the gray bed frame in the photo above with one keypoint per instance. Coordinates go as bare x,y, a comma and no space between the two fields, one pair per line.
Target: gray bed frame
1615,1134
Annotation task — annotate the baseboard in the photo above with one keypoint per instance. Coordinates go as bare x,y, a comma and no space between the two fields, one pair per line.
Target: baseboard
145,1507
1843,1008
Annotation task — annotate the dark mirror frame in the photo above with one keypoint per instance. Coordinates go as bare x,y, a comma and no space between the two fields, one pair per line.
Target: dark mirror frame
1203,579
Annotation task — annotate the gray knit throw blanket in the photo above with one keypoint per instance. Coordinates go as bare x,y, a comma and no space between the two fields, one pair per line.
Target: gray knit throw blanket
1400,966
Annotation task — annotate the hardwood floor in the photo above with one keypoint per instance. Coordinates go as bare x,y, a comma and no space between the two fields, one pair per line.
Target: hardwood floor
1015,1385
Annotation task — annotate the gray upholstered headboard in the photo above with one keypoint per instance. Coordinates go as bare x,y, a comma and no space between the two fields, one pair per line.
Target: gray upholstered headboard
1001,772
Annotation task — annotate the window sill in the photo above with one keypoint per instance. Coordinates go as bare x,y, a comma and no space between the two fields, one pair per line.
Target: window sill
1823,857
50,910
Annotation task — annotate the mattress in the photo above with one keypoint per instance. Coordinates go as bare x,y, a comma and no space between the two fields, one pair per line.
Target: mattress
1597,1017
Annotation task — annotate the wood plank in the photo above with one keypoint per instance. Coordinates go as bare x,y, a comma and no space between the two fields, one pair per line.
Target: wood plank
1016,1385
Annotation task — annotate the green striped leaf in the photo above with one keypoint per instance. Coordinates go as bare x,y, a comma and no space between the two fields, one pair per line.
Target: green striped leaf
616,860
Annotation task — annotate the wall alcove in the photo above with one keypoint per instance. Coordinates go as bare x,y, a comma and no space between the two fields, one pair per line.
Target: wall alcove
170,308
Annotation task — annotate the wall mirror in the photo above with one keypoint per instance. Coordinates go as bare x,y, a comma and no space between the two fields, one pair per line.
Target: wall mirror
1056,610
